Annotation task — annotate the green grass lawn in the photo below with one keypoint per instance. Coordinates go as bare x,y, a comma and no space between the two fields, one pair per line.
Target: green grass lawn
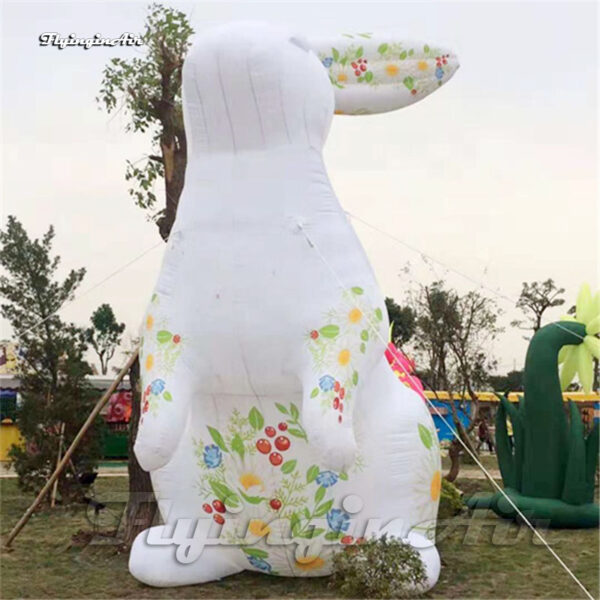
490,559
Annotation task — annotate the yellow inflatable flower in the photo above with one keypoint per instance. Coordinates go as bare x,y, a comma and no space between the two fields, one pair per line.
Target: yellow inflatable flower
579,359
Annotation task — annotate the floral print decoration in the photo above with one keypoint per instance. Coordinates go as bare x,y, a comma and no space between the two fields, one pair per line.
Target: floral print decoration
429,485
255,467
159,351
336,349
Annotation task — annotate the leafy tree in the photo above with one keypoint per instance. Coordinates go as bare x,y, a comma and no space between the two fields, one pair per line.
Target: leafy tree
52,371
148,90
403,319
535,299
105,334
453,336
511,382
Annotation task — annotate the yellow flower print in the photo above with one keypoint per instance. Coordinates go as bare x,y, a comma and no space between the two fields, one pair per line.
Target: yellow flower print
342,77
149,362
149,322
391,69
309,563
436,486
355,315
258,528
422,65
248,480
344,357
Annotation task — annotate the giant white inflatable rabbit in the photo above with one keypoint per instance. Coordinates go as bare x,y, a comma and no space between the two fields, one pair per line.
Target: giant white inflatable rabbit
272,423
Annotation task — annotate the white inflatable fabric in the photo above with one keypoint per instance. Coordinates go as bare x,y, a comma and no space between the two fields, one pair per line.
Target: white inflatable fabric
271,421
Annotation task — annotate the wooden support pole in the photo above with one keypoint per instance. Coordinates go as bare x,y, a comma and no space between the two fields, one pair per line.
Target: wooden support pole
61,441
67,455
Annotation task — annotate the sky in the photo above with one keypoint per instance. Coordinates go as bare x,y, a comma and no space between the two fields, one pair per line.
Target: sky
494,175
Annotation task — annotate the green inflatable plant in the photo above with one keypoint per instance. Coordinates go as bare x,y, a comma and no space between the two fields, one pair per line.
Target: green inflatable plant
549,474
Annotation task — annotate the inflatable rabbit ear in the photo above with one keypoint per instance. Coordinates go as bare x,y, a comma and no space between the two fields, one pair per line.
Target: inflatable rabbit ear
377,73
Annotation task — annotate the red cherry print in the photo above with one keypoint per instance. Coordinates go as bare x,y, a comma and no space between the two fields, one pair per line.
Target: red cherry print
357,72
146,406
282,426
347,539
336,403
270,431
275,504
219,519
341,407
342,393
336,386
282,443
207,508
314,334
354,65
263,446
276,459
445,61
360,540
340,419
176,339
438,57
218,506
413,92
363,68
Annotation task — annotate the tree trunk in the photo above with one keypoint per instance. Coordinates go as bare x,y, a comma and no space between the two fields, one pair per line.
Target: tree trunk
454,455
141,506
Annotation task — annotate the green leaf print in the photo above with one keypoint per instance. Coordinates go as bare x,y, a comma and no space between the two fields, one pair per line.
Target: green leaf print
411,52
344,476
368,76
294,523
335,54
251,499
281,408
164,336
378,314
255,552
294,411
297,433
359,52
382,48
409,82
314,393
426,49
218,438
311,534
323,508
329,331
403,55
364,335
333,536
288,466
363,348
167,396
358,291
255,418
306,513
319,494
237,445
425,436
312,473
355,378
225,494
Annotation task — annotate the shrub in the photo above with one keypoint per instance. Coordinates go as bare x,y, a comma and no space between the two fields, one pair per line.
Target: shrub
450,500
378,568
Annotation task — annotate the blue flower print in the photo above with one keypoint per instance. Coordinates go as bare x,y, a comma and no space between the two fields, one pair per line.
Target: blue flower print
157,386
326,383
212,456
439,72
259,563
327,478
327,62
338,520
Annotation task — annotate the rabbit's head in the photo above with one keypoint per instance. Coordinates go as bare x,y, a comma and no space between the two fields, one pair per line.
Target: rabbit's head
252,86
